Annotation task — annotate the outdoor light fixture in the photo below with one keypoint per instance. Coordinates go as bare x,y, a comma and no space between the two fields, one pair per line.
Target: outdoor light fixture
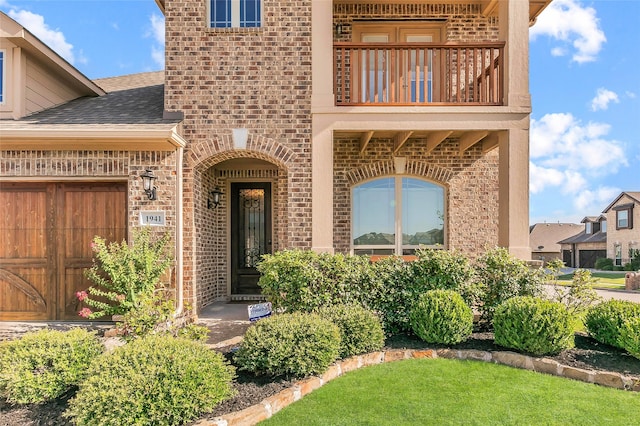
147,183
214,201
338,29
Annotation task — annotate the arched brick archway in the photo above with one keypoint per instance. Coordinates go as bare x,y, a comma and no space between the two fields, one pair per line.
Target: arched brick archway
217,163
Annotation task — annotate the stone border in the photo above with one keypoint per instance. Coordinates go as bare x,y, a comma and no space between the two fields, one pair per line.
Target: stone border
269,406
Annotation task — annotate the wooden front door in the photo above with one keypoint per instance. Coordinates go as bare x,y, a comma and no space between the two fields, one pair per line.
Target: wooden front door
250,233
46,233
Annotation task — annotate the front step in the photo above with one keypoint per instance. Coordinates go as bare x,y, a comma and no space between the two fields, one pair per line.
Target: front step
248,298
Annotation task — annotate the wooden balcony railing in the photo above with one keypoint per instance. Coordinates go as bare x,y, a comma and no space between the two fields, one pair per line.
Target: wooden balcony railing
418,74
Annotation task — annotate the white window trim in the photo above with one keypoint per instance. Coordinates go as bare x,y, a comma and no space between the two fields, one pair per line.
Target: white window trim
235,15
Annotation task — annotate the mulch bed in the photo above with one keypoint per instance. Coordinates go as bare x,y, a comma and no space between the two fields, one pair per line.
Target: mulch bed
587,354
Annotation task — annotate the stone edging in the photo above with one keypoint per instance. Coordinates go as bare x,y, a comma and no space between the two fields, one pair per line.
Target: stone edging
269,406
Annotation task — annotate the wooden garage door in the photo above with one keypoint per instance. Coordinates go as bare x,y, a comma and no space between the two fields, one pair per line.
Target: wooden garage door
46,232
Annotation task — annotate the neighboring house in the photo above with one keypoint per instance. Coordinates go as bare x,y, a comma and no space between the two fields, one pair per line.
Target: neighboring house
544,237
583,249
338,126
623,236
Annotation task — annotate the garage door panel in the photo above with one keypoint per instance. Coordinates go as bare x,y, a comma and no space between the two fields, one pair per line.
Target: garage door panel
24,223
25,293
46,234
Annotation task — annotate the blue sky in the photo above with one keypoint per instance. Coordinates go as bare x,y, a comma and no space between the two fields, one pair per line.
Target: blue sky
585,86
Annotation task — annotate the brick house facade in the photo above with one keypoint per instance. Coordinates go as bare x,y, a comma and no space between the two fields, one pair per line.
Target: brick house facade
289,119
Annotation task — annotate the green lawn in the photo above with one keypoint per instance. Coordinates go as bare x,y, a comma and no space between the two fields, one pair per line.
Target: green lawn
606,280
453,392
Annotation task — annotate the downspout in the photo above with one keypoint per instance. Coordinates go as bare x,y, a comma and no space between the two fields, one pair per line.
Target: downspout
179,235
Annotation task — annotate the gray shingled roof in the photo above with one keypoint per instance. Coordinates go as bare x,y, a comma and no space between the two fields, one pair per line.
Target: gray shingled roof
598,237
132,101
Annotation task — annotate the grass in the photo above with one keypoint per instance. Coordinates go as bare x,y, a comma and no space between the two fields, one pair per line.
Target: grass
453,392
604,280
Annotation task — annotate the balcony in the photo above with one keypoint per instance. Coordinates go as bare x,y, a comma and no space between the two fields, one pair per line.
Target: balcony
418,74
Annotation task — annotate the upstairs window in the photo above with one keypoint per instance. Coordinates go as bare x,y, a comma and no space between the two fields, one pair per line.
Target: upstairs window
396,215
624,216
588,228
1,76
235,13
603,226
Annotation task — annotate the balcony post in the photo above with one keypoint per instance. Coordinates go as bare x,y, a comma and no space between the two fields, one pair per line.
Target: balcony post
321,186
513,193
322,54
514,29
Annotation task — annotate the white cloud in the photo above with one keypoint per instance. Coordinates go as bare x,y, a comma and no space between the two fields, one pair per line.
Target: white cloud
570,157
603,98
630,94
571,23
157,33
55,39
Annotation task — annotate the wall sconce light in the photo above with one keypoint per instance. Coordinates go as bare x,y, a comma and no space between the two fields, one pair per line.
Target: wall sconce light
214,201
338,29
147,183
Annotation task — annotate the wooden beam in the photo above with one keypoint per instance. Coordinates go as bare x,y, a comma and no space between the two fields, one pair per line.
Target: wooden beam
436,138
364,140
469,139
400,139
490,142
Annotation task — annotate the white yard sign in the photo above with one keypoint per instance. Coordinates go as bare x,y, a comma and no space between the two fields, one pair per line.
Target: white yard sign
259,311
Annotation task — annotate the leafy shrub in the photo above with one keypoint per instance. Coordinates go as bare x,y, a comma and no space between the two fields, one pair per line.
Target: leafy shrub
445,270
533,325
157,380
360,329
441,316
123,273
196,332
604,264
296,344
502,277
578,296
303,280
605,321
630,336
43,365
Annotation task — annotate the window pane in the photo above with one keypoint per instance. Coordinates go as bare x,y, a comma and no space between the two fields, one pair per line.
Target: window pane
422,213
374,213
220,13
603,226
250,13
623,218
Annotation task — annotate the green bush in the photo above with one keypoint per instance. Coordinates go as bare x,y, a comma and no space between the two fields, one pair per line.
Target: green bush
296,344
441,316
156,380
445,270
604,264
605,321
122,273
630,336
303,280
44,365
533,325
502,277
360,329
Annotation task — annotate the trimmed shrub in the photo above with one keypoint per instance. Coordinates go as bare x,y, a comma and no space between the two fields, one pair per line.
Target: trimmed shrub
296,344
441,316
360,329
502,277
445,270
605,321
303,280
43,365
533,325
157,380
604,264
630,336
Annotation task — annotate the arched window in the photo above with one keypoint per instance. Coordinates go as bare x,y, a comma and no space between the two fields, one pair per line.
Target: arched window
396,215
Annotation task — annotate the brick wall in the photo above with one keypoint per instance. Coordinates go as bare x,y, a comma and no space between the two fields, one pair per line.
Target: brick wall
471,182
